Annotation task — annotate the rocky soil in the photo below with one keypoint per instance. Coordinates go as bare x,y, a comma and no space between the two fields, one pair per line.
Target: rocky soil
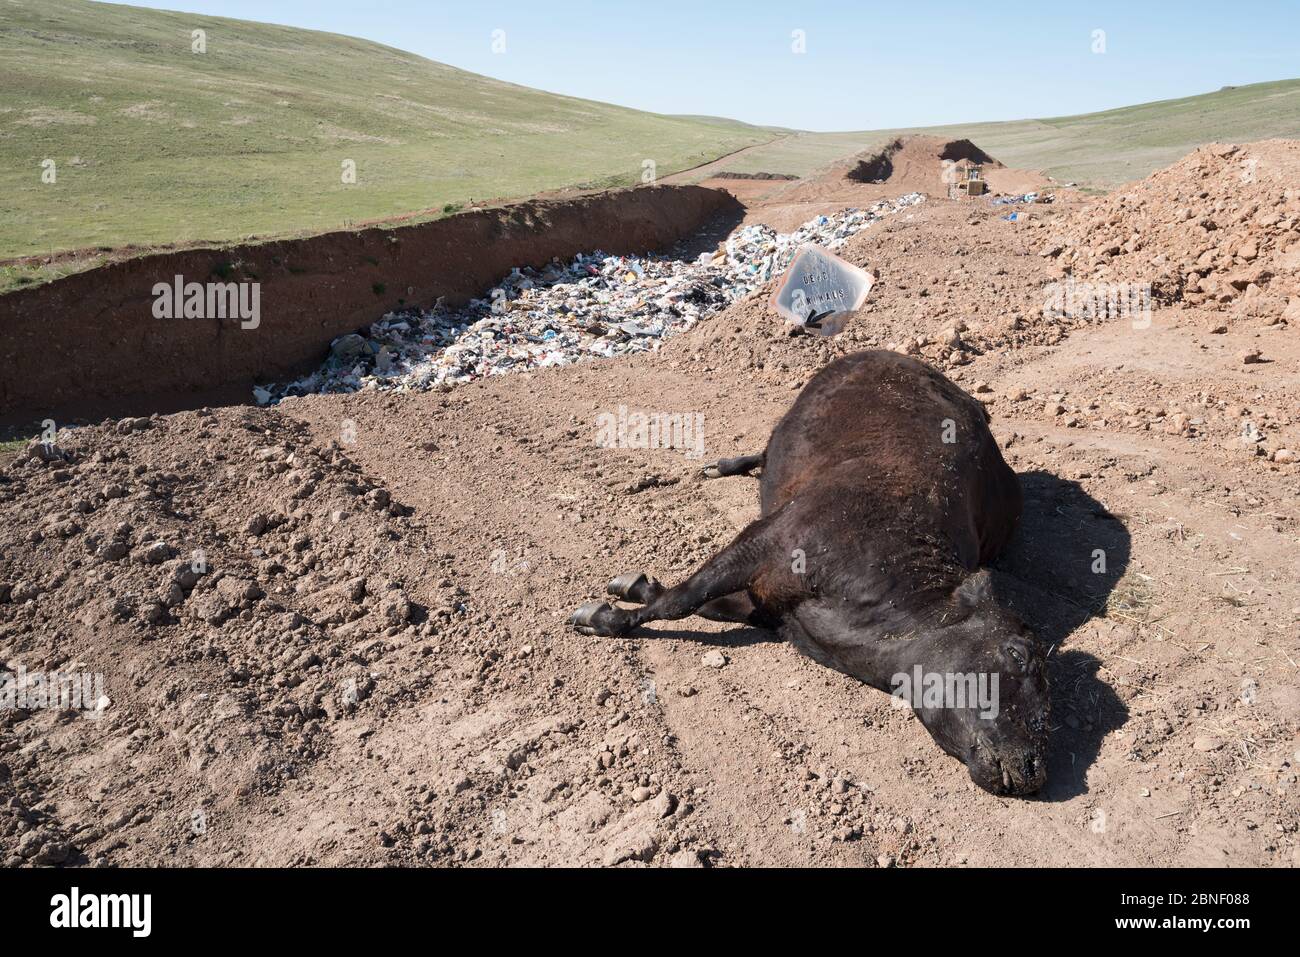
333,631
1220,228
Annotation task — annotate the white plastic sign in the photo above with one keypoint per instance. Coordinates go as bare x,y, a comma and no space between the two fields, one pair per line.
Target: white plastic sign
817,288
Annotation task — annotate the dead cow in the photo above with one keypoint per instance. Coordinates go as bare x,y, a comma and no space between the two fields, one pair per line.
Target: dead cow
882,493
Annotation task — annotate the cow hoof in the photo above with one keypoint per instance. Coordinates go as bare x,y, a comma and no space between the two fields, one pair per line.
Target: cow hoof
595,618
635,586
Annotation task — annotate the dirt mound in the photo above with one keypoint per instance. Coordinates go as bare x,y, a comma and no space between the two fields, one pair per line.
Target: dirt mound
917,162
1218,228
922,164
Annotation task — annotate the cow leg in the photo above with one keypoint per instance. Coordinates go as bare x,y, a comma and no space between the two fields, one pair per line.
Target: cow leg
729,571
642,589
737,606
742,465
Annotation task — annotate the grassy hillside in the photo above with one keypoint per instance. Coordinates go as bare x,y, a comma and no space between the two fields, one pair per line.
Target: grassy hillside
157,144
1096,149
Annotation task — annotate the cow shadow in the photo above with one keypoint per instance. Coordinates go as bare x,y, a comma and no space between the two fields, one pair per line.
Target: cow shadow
1068,555
731,636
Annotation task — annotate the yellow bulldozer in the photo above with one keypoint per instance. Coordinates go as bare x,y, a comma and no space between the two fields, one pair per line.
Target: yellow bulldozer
967,179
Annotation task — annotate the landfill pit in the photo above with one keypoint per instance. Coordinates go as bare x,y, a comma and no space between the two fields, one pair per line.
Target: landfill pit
311,290
597,306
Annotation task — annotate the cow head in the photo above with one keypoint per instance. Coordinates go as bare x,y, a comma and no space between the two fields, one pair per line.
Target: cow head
992,713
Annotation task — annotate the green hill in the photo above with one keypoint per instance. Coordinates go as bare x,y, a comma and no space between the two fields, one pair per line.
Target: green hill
1099,150
154,143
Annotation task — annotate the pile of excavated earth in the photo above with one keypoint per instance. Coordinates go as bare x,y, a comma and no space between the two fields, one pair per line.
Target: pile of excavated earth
1219,228
332,630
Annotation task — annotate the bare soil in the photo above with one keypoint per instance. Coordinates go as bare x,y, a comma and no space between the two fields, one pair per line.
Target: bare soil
375,667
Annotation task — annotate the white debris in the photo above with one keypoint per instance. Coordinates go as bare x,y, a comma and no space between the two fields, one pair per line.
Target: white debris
596,306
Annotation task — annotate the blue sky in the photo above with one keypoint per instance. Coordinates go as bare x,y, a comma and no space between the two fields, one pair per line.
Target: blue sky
867,64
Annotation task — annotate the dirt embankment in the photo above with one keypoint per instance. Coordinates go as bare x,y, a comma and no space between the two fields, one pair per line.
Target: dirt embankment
916,161
925,164
92,343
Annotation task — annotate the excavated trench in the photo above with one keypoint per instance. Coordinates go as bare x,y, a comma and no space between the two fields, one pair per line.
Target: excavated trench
99,343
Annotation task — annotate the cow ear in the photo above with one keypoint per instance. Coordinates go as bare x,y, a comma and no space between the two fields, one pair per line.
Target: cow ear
975,590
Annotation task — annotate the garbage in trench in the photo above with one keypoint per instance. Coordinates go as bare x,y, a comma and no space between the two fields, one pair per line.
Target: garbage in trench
820,290
596,306
1023,198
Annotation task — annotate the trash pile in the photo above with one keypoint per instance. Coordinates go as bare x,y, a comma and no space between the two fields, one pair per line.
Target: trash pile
596,306
1023,198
